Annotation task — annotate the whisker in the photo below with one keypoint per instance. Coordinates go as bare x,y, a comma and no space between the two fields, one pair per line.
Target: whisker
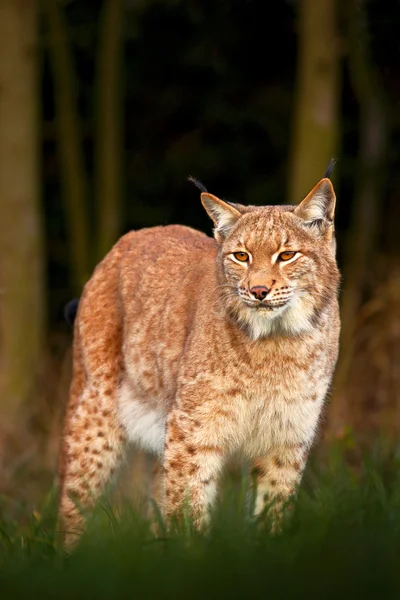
314,293
321,295
227,285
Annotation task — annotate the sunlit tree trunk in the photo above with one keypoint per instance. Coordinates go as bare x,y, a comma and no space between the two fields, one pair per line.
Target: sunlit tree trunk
22,302
315,127
369,183
109,142
70,146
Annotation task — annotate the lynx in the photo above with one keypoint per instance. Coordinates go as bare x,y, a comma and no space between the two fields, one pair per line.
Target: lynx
197,349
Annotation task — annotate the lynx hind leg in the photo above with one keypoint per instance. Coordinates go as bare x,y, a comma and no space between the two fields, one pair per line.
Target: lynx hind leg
155,498
94,439
93,448
156,488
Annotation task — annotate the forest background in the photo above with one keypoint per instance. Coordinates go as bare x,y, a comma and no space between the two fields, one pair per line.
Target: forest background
107,107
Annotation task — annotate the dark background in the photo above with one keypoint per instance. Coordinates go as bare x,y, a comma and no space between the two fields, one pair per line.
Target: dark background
209,90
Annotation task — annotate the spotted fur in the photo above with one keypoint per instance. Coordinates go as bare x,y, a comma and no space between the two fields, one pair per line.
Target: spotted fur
173,351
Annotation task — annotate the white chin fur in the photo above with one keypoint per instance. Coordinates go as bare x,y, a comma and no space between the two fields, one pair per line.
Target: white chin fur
293,319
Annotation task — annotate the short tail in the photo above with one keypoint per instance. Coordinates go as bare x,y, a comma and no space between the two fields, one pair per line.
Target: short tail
70,311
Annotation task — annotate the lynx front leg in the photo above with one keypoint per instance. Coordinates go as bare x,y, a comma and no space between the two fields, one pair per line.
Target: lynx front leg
91,452
191,469
277,477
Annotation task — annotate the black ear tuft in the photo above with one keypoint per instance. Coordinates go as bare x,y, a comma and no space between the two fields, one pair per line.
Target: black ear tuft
198,184
330,168
70,311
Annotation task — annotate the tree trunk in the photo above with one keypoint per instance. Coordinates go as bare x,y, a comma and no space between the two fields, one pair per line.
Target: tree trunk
108,136
315,129
373,141
22,301
70,145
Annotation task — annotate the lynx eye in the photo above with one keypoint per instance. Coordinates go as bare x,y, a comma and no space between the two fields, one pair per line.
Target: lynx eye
286,255
241,256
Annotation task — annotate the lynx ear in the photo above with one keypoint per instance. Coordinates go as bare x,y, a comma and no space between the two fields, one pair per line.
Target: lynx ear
223,214
319,205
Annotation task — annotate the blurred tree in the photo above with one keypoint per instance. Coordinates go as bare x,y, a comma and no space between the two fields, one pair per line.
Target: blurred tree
73,174
89,245
22,306
369,187
109,143
316,125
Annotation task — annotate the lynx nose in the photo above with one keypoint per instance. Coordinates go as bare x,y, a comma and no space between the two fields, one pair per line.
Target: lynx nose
259,291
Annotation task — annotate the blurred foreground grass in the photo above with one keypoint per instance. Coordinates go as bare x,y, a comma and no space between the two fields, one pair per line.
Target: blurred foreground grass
343,540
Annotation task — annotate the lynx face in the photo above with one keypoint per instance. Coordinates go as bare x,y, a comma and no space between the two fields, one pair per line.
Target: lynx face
274,262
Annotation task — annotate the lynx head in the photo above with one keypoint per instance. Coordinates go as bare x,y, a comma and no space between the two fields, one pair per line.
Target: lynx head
276,265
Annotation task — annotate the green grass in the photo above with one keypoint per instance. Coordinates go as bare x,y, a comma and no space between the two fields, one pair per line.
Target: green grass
343,540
